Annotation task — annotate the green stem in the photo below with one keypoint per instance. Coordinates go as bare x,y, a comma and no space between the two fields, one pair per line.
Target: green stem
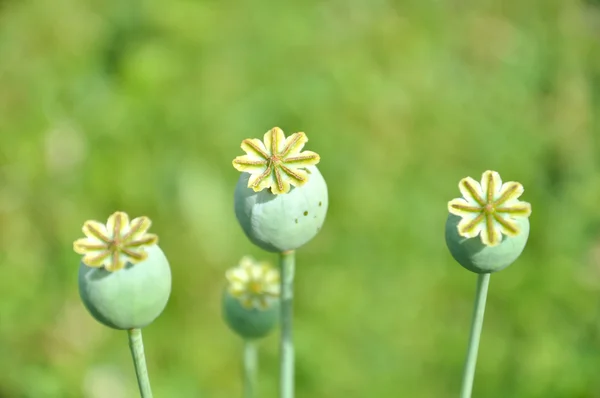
286,372
483,282
250,368
136,345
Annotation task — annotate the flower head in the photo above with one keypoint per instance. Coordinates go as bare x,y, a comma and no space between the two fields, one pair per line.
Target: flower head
113,245
276,162
255,285
489,208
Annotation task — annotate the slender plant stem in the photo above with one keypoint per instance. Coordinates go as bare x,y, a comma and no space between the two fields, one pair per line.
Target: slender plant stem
483,282
136,345
250,368
287,264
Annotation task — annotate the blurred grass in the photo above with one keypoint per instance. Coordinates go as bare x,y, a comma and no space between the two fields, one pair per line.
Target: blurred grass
141,106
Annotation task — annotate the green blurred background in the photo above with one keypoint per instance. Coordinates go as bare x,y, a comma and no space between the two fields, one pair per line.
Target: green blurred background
141,106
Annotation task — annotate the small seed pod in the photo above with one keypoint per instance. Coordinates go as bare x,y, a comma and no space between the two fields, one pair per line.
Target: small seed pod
124,276
281,197
487,229
251,299
249,323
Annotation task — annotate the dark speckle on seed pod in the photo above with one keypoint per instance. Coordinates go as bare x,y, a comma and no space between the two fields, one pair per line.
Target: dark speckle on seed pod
296,221
320,203
306,213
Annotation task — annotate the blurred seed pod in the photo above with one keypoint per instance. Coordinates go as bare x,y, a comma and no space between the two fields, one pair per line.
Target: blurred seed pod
249,323
250,301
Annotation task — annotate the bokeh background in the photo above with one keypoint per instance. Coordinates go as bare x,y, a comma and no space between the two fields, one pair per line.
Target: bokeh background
141,105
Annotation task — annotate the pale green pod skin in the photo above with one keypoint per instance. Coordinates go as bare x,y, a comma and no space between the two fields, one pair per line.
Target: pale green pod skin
132,297
479,258
249,323
278,223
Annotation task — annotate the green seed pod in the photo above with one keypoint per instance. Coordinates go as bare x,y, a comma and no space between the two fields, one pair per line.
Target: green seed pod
250,303
132,297
479,258
487,229
277,223
249,323
281,197
124,276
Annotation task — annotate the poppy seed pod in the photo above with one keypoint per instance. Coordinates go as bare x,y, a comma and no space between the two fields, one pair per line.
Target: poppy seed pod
249,323
487,229
281,197
124,276
251,299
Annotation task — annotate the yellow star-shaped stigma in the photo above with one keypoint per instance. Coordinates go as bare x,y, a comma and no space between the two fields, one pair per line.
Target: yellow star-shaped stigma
489,208
115,243
254,284
276,162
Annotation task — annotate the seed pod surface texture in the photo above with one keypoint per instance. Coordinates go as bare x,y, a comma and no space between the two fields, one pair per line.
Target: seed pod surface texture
479,258
278,223
132,297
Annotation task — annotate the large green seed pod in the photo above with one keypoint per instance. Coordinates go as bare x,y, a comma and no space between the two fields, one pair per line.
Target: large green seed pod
249,323
132,297
473,255
281,222
124,277
281,197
